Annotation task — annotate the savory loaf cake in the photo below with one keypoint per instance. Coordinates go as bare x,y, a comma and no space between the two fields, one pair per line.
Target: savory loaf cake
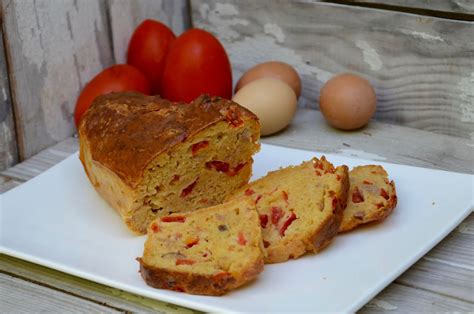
300,207
209,251
149,157
371,196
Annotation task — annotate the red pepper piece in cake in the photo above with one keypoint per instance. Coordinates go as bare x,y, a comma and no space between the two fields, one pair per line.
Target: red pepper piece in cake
287,224
263,220
187,190
191,241
357,196
249,192
277,214
241,239
219,166
154,227
195,148
184,261
173,219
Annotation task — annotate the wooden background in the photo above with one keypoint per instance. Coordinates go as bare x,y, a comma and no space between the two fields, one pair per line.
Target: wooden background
53,48
422,65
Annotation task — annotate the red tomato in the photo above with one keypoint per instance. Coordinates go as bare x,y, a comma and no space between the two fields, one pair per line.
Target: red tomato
117,78
147,50
196,63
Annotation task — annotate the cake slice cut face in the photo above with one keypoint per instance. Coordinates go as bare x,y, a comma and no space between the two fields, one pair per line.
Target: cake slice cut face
300,207
148,157
209,251
371,197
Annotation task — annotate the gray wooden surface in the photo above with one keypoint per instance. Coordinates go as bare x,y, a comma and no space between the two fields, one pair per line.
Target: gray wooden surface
441,281
8,145
125,16
456,6
422,67
53,50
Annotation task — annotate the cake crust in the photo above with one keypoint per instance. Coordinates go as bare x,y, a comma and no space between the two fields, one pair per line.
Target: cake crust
181,281
126,131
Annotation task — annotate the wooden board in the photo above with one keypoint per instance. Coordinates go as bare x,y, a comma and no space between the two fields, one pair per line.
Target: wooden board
23,296
421,67
403,299
455,6
8,145
126,15
53,50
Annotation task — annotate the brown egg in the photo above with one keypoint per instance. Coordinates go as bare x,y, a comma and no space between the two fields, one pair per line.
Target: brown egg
274,69
272,100
347,101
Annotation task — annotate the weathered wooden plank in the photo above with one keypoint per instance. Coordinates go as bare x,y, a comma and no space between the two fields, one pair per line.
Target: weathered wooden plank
8,184
401,299
457,250
43,160
53,50
456,6
440,278
467,226
8,145
389,299
84,288
421,67
378,141
22,296
126,15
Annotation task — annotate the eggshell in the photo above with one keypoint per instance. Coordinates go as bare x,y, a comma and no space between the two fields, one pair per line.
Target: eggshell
274,69
347,101
273,101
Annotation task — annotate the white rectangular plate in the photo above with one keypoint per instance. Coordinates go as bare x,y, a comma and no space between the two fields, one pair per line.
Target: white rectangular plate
59,221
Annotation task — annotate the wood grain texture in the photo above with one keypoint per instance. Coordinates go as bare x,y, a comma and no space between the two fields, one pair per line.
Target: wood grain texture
378,141
53,50
401,299
22,296
42,161
126,15
456,6
7,184
8,145
85,289
421,67
441,278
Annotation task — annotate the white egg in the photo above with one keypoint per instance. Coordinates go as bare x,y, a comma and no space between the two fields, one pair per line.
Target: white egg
273,101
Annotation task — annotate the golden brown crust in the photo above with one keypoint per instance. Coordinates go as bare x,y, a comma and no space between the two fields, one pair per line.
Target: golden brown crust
330,228
216,285
126,131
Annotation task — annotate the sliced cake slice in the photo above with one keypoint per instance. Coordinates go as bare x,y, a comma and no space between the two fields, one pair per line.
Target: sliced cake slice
209,251
371,196
300,207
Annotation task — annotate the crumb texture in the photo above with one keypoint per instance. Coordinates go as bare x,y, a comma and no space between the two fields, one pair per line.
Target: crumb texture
371,197
300,207
209,251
